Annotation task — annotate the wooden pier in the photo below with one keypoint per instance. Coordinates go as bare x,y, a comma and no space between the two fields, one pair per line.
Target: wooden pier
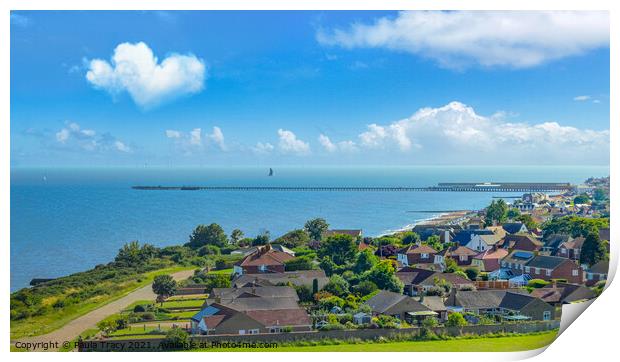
452,187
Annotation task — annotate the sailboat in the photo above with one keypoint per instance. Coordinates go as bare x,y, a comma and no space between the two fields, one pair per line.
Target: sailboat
270,171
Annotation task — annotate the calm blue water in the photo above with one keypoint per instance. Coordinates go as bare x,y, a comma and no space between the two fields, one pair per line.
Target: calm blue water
79,218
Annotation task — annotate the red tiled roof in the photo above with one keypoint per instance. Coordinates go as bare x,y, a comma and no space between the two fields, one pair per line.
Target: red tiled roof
420,249
280,317
269,257
213,321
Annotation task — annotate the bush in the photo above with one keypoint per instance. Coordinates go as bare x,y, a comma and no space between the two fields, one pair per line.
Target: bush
537,283
456,320
139,308
176,339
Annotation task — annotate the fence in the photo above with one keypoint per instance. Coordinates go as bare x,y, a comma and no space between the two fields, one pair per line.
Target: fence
492,284
158,344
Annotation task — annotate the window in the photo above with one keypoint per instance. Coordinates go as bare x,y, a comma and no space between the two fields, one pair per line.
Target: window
262,268
527,269
537,270
548,272
424,256
575,272
275,330
463,257
546,315
563,251
253,331
242,331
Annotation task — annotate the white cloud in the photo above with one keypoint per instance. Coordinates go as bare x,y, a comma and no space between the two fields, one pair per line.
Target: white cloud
217,137
122,147
73,136
173,134
263,148
489,38
135,69
581,98
289,143
329,146
455,132
327,143
195,137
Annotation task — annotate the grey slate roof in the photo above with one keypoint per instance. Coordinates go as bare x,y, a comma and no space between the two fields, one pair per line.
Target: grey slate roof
245,304
383,300
268,291
545,262
487,299
301,277
602,267
512,227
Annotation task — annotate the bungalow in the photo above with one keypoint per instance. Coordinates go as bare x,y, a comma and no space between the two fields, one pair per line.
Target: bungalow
479,240
553,267
563,293
570,249
597,272
521,242
515,227
226,319
437,305
263,260
253,249
416,254
461,254
489,260
553,241
300,277
516,261
418,280
399,306
253,292
506,304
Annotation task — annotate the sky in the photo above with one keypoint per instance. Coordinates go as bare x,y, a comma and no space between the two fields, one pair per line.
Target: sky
309,88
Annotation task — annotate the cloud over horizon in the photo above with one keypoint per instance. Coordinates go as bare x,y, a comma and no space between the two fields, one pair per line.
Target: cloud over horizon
73,136
136,70
458,39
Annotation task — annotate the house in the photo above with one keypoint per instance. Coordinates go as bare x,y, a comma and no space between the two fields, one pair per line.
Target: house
245,314
362,318
489,260
521,242
355,233
416,254
461,254
253,292
299,277
437,305
387,251
553,267
479,239
418,280
516,261
570,249
425,231
553,241
497,230
597,272
514,227
253,249
505,304
563,293
263,260
361,246
399,306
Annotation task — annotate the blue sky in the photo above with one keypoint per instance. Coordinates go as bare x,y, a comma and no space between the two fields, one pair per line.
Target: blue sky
275,88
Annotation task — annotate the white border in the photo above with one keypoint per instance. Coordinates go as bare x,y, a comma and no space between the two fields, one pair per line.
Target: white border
591,336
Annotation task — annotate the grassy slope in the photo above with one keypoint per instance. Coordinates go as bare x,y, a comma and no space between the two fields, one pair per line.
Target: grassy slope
483,344
38,325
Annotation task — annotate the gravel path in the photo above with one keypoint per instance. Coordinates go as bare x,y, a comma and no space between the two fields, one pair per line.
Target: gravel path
72,330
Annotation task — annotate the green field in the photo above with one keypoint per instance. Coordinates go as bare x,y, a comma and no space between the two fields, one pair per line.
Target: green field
37,325
187,303
482,344
221,271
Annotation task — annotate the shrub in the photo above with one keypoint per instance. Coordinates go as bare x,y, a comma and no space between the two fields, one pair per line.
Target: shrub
537,283
456,320
176,339
139,308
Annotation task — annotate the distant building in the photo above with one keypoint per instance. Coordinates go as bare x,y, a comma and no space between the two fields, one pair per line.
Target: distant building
263,260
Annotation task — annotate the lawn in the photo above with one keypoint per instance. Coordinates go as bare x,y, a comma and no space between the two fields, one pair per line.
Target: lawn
187,303
38,325
482,344
221,271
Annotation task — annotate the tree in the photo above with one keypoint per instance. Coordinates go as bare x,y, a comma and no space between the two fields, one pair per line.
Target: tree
435,242
107,326
581,199
176,339
456,320
528,221
236,236
337,285
216,281
496,212
315,286
365,261
164,286
299,263
410,237
472,273
316,227
365,287
341,249
593,250
132,254
293,239
574,226
262,239
207,235
383,274
304,293
513,213
600,194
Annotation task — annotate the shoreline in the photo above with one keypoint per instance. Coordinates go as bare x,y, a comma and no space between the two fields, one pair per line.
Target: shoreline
443,218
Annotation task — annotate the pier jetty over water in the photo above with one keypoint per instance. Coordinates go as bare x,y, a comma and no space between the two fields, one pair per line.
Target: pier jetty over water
446,187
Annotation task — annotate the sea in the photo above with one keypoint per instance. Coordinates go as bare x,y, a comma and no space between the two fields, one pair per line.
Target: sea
66,220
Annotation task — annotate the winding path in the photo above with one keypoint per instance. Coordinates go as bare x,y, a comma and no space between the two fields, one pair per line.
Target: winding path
72,330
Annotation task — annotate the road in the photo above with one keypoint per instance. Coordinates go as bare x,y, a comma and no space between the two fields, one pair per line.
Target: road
72,330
